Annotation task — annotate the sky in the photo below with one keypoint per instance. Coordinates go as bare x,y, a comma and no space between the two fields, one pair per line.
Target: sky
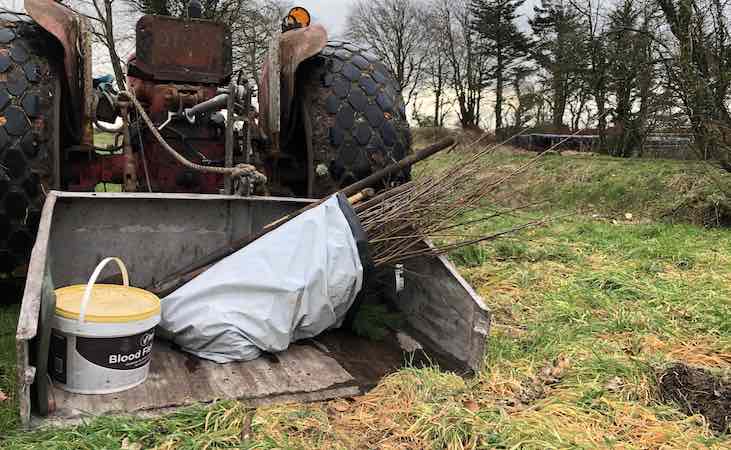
330,13
13,5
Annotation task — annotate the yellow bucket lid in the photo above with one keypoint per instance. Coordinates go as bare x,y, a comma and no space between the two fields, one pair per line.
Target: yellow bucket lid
110,303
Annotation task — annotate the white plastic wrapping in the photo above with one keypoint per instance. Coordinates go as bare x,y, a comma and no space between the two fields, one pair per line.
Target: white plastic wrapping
293,283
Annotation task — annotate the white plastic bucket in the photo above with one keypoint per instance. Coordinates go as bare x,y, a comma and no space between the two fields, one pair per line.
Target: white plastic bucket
102,335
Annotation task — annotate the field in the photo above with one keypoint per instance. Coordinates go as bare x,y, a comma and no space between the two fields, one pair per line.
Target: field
587,312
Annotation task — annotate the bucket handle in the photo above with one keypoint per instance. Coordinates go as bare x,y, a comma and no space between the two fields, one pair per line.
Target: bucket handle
92,280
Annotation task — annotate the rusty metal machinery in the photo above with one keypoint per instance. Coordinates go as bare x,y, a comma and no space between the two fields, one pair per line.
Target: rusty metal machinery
329,113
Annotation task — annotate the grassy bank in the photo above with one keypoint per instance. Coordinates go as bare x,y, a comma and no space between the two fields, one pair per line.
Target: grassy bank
586,312
666,191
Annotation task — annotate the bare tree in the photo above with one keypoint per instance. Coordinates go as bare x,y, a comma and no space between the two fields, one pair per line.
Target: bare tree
437,68
468,67
697,62
559,51
594,74
395,32
578,103
501,41
252,32
111,26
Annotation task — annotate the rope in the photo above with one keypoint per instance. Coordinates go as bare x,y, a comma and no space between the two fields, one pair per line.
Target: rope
241,170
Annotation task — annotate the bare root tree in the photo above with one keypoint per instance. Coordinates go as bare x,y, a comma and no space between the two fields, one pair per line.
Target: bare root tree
394,30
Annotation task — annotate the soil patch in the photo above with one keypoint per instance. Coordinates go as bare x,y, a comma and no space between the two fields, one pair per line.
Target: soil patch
698,391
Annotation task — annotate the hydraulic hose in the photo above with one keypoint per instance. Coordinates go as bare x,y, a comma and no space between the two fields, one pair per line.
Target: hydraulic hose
239,170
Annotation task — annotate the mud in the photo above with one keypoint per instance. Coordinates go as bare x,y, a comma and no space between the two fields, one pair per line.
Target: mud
698,391
367,361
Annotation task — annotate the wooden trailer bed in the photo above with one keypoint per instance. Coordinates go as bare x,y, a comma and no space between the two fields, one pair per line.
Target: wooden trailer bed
157,233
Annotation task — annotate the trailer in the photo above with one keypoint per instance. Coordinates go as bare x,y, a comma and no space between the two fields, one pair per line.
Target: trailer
446,322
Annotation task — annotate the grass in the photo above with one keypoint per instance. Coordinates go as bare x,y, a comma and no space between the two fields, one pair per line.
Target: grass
664,191
8,407
586,310
103,140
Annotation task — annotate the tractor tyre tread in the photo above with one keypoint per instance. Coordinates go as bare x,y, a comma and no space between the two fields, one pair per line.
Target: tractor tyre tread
358,116
28,88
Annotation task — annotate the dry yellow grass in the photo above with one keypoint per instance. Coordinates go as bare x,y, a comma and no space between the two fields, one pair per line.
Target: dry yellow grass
585,312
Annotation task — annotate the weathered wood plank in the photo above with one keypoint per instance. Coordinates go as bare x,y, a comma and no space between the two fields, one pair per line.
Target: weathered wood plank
42,343
30,309
28,319
444,313
177,379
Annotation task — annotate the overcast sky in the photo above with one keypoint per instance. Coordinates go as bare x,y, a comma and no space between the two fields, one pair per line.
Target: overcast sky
330,13
333,13
13,5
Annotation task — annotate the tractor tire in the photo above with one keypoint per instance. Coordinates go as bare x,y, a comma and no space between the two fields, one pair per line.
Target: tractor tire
357,114
29,117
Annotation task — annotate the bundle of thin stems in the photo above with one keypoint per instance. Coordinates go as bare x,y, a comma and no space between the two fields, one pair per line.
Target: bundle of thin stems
440,206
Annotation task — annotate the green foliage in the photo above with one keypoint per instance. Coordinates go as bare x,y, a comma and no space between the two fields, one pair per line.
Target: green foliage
374,321
108,187
650,190
103,140
8,407
506,249
470,256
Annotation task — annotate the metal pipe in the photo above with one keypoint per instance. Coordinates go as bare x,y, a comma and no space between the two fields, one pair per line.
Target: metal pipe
213,104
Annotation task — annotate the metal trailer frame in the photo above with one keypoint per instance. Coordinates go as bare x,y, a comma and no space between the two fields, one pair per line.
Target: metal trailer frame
446,322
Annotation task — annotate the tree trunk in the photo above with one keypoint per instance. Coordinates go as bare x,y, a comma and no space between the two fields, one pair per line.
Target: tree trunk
109,37
438,96
467,112
559,102
499,92
600,99
437,99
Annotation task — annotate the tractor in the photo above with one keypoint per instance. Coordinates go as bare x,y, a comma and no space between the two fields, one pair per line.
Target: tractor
329,113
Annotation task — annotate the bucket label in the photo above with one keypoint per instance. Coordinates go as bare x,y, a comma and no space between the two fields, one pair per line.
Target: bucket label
120,353
57,357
